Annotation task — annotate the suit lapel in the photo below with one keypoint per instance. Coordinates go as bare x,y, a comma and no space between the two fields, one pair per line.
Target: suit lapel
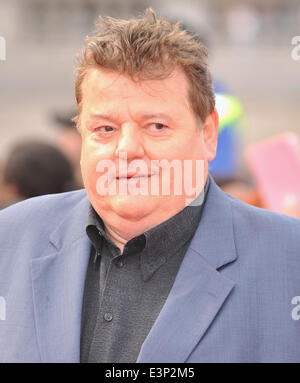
199,290
58,280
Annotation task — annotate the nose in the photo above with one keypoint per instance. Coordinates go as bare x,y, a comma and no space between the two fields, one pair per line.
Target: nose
130,141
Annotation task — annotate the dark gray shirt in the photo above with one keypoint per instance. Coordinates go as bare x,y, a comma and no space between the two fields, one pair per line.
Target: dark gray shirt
124,293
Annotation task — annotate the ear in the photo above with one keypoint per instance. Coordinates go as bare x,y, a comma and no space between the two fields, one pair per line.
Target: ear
210,134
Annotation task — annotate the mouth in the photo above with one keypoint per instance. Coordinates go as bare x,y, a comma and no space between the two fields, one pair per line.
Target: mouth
134,176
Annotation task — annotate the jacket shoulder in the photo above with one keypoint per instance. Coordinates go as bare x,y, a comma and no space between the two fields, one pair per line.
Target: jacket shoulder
264,228
46,208
252,214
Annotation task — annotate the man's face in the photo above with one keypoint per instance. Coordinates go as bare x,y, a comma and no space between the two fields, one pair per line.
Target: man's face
138,124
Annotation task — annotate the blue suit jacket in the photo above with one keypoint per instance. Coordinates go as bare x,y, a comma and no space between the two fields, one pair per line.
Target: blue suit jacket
231,300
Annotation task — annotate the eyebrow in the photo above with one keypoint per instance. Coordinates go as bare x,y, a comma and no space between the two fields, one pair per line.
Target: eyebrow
156,115
103,116
106,117
143,117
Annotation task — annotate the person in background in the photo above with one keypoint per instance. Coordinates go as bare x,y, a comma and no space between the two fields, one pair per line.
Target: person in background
68,140
33,169
226,167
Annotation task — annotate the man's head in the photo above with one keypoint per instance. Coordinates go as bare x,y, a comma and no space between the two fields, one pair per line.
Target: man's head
148,48
144,96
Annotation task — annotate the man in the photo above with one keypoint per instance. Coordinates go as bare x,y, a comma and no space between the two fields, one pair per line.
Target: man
133,268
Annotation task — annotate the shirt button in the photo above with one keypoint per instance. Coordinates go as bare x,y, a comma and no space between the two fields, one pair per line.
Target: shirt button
108,317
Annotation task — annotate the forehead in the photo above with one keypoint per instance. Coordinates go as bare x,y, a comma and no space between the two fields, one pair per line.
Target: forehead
103,88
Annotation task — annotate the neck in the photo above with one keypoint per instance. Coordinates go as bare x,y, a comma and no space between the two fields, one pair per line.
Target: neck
116,237
122,226
120,230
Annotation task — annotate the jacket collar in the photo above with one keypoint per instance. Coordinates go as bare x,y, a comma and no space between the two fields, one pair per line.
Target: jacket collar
214,238
72,227
58,279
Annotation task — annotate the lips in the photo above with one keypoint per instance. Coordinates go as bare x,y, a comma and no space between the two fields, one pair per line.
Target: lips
134,175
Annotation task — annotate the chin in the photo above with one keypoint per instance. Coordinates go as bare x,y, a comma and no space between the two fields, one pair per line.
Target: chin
132,207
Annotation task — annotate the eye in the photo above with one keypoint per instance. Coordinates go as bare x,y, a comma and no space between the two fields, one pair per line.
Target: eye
104,131
157,127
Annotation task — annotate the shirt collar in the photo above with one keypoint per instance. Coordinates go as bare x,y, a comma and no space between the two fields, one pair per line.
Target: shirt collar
158,243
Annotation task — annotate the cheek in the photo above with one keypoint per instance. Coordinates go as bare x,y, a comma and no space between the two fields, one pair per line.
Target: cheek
86,158
166,150
89,161
96,161
89,175
92,152
197,149
190,147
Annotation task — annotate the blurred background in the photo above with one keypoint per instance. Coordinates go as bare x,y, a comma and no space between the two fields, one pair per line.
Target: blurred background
250,45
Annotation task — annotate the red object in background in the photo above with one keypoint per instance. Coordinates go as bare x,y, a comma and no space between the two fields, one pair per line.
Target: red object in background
275,163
